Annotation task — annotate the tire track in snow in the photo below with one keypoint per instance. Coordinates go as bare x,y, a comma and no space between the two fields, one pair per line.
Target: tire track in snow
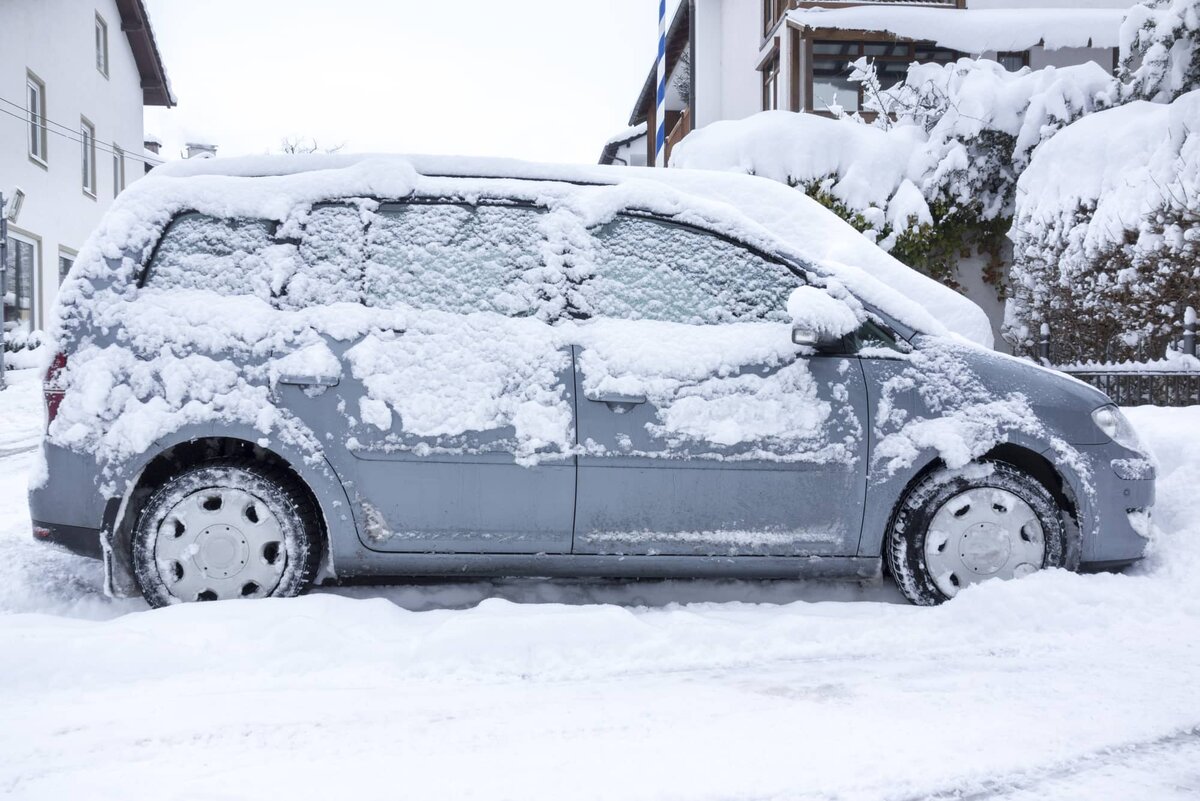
1029,780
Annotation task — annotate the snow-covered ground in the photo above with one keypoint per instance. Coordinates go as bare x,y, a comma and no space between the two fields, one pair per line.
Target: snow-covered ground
1055,687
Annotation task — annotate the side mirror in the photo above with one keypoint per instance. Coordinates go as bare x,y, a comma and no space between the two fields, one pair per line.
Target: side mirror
812,338
819,320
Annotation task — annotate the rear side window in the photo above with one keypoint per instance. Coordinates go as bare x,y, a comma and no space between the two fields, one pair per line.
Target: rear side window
227,256
645,269
454,258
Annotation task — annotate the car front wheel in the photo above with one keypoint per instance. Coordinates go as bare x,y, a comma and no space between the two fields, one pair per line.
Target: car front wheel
992,521
224,530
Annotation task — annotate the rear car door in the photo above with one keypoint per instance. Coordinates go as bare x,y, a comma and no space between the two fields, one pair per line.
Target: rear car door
703,429
453,403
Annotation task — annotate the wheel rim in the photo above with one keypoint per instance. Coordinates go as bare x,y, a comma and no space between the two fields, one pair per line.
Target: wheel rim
980,534
220,543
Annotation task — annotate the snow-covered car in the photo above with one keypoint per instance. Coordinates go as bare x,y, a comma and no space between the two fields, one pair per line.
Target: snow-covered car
274,372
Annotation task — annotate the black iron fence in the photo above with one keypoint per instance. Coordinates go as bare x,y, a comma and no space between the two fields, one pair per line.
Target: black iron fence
1172,381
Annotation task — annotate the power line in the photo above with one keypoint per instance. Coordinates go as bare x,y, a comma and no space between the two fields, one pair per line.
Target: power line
70,133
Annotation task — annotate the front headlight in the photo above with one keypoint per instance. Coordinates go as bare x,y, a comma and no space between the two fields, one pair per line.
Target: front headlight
1117,428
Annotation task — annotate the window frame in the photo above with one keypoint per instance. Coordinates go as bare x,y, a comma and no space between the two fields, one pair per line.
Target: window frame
911,48
101,45
1021,55
36,132
65,254
118,161
34,242
87,150
770,76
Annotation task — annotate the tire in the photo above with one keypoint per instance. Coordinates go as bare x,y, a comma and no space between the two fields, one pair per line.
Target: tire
951,531
230,528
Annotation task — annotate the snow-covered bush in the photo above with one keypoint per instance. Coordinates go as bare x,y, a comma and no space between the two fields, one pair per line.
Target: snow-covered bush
935,173
1107,233
1107,227
1160,50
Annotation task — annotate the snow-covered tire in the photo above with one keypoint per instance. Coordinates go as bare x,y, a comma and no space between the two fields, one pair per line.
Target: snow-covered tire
231,528
986,513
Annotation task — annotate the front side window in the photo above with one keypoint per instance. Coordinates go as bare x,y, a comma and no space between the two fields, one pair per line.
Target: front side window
454,258
226,256
101,45
330,269
35,100
18,279
87,139
646,269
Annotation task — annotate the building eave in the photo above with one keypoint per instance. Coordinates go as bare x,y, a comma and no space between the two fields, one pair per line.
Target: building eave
135,23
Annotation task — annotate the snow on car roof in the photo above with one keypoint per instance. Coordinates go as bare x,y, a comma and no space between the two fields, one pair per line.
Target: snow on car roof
977,31
757,211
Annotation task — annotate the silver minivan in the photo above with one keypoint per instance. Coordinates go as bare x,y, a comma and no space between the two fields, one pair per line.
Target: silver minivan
279,373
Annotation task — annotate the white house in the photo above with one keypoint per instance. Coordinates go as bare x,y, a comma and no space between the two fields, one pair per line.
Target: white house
728,59
74,76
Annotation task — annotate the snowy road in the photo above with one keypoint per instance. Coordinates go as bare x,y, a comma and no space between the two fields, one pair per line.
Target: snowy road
1055,687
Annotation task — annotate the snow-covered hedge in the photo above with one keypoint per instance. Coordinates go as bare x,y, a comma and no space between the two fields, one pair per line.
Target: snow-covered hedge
935,171
1107,230
1107,233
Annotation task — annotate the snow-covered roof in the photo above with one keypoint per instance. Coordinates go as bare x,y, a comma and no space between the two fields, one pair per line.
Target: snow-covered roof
628,135
976,31
757,211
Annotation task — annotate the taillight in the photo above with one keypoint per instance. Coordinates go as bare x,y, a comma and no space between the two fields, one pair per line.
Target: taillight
54,385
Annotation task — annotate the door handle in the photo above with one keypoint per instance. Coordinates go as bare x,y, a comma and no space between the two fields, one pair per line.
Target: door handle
310,380
615,397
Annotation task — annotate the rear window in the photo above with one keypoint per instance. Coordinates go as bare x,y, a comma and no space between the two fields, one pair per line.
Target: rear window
227,256
454,258
657,270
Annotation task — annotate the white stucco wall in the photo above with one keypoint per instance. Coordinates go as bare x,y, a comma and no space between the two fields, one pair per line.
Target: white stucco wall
727,55
55,40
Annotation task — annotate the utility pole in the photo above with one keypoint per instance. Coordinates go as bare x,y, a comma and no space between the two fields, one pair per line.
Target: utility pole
3,279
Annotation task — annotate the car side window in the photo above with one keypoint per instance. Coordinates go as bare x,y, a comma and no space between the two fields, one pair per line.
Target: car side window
454,257
332,248
657,270
227,256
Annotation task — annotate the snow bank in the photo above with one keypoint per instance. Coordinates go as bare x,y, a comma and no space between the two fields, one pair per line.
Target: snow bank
976,31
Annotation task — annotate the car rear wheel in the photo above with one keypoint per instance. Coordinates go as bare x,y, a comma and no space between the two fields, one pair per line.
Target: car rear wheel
225,530
995,522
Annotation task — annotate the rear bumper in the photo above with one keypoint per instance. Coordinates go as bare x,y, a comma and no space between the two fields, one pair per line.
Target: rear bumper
76,539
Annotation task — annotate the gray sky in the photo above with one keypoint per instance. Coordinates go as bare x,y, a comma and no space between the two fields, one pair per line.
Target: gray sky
549,80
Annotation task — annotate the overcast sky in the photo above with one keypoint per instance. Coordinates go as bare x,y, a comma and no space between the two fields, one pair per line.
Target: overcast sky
540,79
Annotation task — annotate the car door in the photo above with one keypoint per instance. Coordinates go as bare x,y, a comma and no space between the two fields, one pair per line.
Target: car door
452,403
703,429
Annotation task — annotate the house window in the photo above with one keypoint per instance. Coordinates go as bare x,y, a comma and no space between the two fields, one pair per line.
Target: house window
118,165
65,263
770,82
102,45
833,63
87,138
1014,61
773,11
18,279
35,98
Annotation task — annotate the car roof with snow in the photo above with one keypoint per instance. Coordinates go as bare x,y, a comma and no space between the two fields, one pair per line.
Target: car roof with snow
758,212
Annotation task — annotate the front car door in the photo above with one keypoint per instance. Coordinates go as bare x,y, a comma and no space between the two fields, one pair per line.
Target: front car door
703,430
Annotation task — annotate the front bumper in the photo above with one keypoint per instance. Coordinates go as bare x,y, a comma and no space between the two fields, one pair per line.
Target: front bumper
1120,503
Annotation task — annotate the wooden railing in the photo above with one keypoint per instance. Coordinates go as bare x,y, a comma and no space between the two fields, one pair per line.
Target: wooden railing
683,127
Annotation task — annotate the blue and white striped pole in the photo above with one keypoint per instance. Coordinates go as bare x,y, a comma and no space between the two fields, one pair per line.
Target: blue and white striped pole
660,136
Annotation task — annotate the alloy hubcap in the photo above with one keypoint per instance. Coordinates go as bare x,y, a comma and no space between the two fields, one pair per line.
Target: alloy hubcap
220,543
983,533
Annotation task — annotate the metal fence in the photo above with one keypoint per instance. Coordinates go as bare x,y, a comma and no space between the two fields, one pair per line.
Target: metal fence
1166,382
